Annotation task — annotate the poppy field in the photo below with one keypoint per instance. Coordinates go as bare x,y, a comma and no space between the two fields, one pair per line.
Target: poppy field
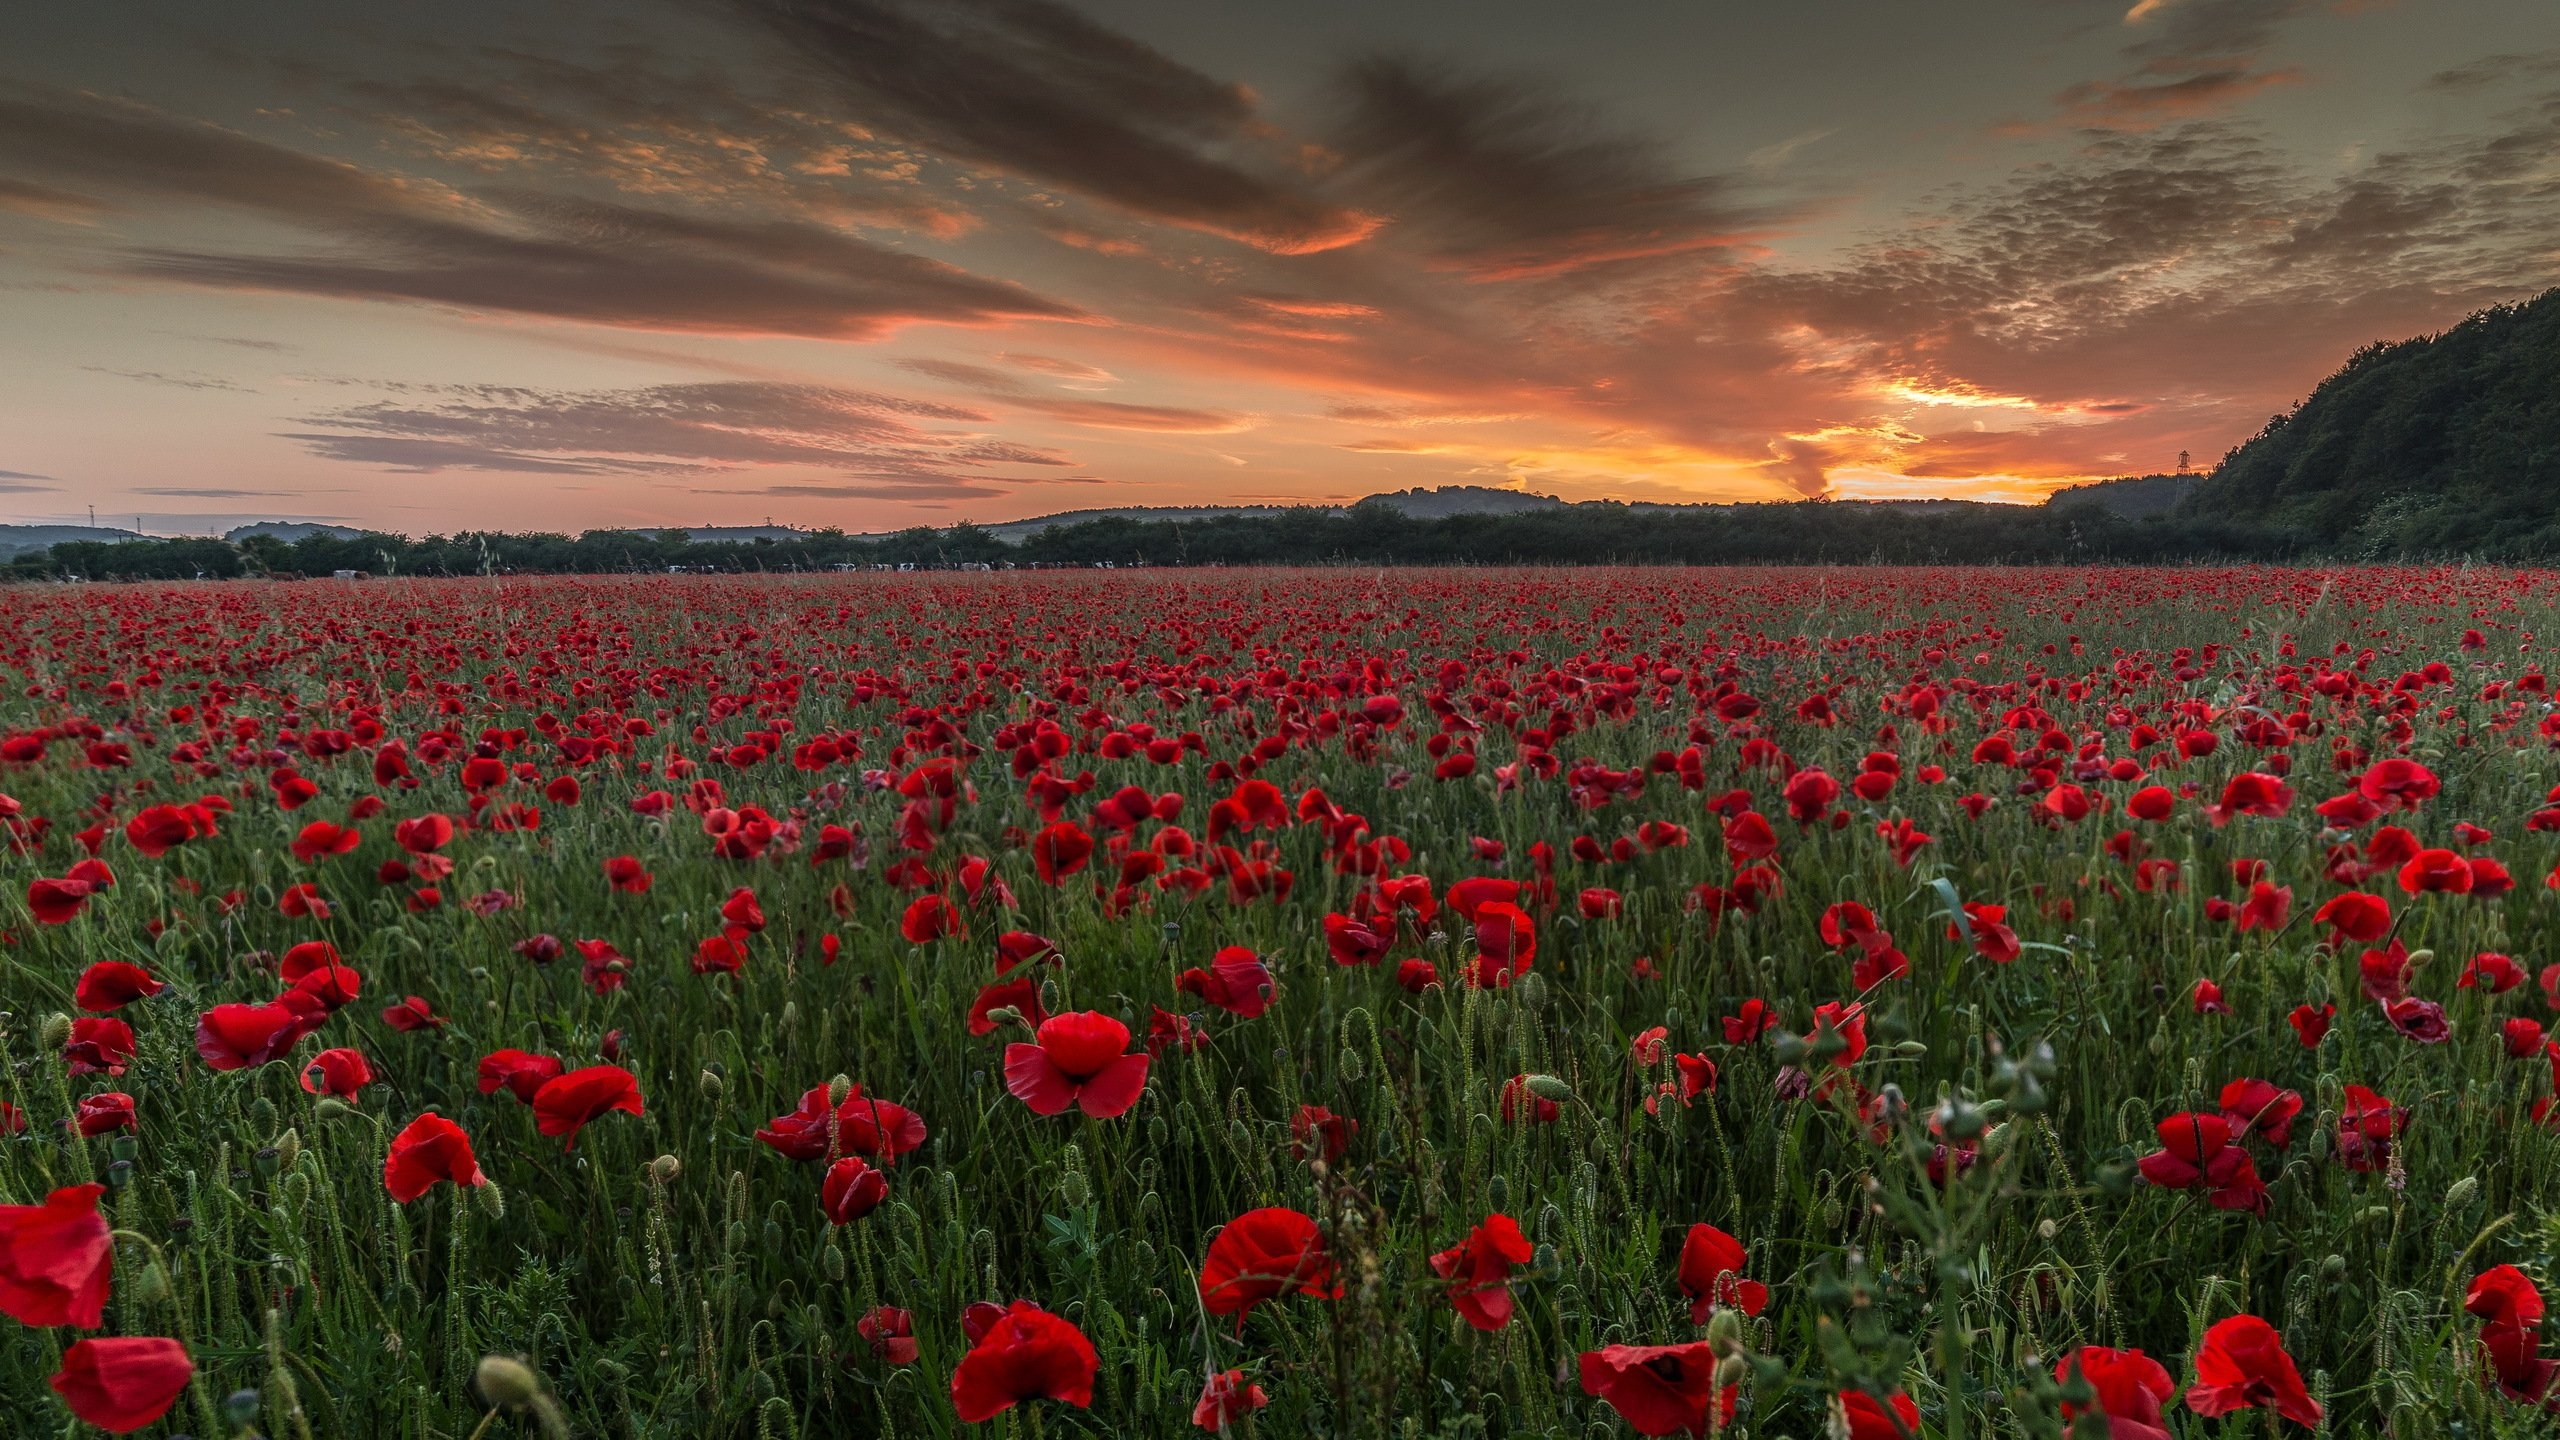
1870,1003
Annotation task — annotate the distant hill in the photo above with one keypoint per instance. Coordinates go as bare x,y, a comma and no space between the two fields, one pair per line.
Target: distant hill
2130,497
289,531
732,534
22,539
1449,500
2447,444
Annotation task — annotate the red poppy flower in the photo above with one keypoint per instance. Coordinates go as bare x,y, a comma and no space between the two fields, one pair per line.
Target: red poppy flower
243,1037
851,1190
302,902
1022,995
1262,1255
2131,1389
2367,1124
522,1074
2267,908
430,1148
1165,1029
890,1332
567,1104
1226,1396
112,985
1711,1264
413,1013
2510,1308
98,1046
1317,1132
1848,1023
2355,916
57,902
2197,1153
1479,1268
322,838
1755,1017
1023,1353
2311,1024
1060,850
929,918
2251,793
1076,1059
1021,947
103,1113
341,1073
1872,1419
2259,1108
1236,981
2242,1365
626,874
1506,943
1416,974
56,1259
1659,1389
123,1383
159,828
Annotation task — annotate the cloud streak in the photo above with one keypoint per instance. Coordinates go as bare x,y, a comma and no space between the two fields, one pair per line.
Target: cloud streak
897,446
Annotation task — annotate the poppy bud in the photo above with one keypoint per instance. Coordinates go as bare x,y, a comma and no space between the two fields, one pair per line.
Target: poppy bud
2420,957
712,1085
2046,1229
506,1382
1724,1332
491,1200
332,1108
55,1032
1348,1066
1732,1370
2461,1192
1497,1193
665,1169
1074,1190
288,1149
1548,1087
1913,1048
240,1407
2334,1266
150,1287
1532,992
831,1261
1004,1015
839,1090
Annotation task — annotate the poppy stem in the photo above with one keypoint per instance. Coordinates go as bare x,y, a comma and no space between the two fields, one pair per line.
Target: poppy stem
485,1422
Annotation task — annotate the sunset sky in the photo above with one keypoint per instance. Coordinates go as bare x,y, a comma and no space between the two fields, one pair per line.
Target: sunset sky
871,264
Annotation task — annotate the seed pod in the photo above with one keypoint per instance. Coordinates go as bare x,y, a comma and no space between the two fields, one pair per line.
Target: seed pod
506,1382
1548,1087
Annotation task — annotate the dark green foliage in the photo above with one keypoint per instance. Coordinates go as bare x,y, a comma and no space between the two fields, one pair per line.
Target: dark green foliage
2444,445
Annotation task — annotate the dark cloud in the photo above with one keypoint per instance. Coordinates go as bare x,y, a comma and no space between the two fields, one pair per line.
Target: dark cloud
188,492
2491,70
20,482
161,377
1502,179
672,430
1033,89
648,124
1011,391
47,203
2195,58
511,250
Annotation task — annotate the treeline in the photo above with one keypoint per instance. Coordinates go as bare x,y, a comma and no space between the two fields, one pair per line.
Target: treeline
2440,446
1845,532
